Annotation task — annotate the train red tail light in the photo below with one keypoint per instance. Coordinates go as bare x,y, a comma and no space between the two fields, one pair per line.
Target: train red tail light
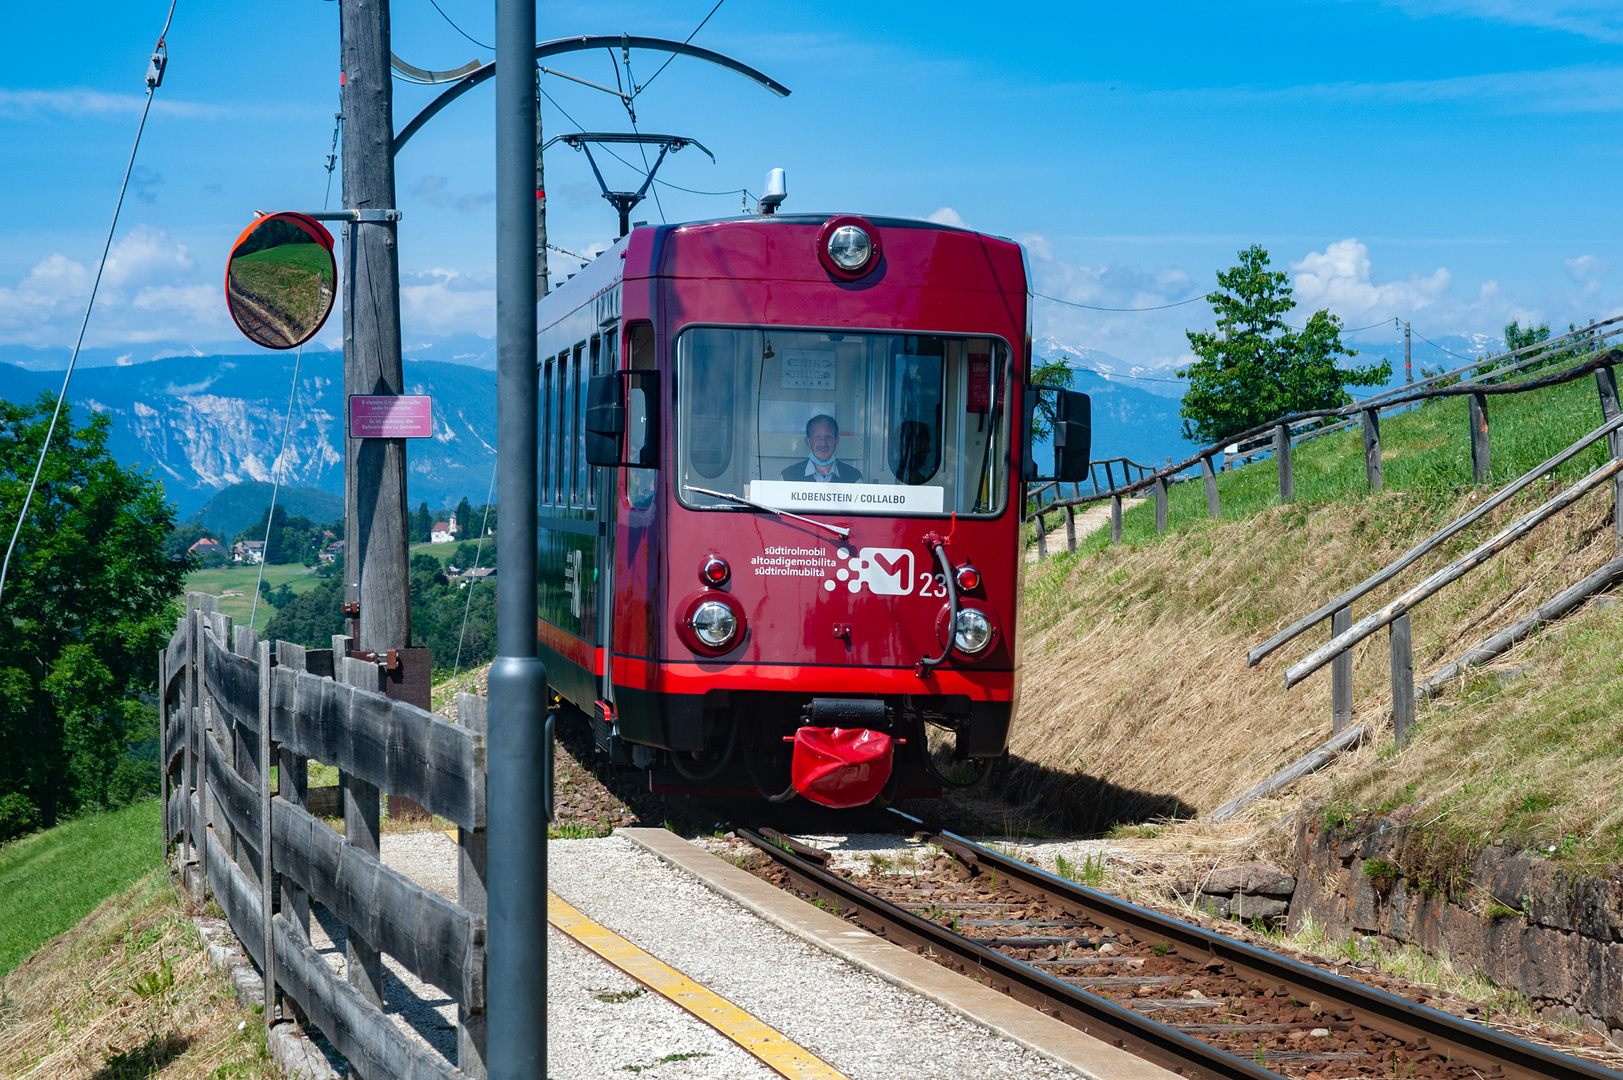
715,571
969,578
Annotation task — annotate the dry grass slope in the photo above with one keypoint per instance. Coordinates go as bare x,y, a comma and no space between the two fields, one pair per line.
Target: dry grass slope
127,993
1136,695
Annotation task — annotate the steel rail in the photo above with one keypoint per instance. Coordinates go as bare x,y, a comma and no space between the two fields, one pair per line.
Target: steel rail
1376,1009
1090,1013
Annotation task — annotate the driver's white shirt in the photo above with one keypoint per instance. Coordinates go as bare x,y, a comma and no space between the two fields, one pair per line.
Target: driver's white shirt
822,477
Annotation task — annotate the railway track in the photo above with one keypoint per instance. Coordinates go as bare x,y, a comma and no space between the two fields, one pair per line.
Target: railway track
1192,1000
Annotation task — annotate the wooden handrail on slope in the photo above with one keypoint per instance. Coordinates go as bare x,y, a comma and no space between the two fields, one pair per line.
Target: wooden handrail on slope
1368,410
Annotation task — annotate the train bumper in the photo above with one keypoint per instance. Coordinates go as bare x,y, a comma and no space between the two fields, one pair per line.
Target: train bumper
840,767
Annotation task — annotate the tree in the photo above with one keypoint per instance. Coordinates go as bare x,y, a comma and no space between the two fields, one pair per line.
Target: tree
1519,337
89,601
1254,368
465,525
421,525
180,540
310,618
1051,372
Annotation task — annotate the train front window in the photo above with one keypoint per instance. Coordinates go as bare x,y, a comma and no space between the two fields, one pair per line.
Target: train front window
836,423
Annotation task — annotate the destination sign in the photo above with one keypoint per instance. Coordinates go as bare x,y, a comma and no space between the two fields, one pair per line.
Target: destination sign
804,497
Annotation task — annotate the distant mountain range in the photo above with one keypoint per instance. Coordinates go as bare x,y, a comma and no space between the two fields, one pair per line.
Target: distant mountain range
239,506
204,423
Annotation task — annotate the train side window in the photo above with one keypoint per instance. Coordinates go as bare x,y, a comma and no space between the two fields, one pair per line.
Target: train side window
577,491
544,466
916,390
596,367
642,347
560,429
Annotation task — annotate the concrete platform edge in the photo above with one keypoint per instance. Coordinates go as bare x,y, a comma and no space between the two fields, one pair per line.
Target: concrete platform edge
981,1005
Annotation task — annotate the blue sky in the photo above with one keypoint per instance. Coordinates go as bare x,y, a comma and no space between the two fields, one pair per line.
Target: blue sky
1446,161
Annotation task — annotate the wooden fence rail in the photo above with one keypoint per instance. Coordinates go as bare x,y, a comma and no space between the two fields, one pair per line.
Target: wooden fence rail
1278,437
233,708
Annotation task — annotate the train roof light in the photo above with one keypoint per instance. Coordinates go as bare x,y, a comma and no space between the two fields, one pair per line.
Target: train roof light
850,247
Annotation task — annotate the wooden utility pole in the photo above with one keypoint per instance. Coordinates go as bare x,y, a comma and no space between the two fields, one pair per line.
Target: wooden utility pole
375,558
541,286
1408,371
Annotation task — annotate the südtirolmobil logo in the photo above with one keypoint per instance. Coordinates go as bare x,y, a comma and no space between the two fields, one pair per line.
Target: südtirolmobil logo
886,571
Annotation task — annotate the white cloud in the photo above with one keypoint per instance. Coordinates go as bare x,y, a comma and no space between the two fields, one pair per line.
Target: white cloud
946,215
1599,21
443,301
84,102
144,255
1338,278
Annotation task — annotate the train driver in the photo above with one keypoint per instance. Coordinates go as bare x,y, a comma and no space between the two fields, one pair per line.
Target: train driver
822,439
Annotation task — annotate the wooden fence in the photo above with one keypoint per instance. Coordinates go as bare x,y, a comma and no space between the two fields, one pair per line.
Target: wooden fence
240,721
1478,380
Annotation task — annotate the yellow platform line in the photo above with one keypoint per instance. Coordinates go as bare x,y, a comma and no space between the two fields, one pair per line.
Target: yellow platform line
769,1045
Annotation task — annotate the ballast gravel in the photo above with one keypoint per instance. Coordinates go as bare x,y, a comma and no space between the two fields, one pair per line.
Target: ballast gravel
860,1024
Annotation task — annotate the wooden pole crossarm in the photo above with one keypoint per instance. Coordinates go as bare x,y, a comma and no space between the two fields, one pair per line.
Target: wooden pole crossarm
1431,543
1395,610
579,44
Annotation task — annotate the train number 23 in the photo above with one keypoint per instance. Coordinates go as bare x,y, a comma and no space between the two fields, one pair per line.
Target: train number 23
932,584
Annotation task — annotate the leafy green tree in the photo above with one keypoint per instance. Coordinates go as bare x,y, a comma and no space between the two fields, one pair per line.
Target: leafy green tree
310,618
183,537
420,525
1254,368
1518,336
465,525
89,601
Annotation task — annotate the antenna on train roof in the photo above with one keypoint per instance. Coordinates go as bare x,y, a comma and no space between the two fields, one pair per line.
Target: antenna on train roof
777,190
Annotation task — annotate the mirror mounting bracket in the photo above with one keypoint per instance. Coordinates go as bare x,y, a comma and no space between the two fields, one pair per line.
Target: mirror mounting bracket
357,216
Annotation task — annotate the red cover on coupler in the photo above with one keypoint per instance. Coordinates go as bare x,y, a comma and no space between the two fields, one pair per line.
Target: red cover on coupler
840,767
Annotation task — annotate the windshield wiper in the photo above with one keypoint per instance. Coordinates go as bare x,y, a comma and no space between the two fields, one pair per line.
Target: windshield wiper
842,533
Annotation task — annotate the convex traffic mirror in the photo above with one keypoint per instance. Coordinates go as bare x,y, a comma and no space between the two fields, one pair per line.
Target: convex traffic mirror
279,282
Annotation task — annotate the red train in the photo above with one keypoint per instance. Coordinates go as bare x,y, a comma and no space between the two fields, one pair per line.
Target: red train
782,466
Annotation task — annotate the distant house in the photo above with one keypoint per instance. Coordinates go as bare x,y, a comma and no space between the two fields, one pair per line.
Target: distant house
443,532
206,547
474,576
251,552
332,551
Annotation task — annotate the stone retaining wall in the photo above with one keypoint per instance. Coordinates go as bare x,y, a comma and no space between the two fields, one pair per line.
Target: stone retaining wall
1563,951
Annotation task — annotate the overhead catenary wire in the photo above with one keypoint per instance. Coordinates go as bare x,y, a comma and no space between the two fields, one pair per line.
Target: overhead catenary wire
459,29
685,40
478,551
154,79
276,485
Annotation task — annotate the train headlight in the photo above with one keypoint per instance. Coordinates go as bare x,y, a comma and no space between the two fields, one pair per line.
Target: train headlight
850,247
974,631
714,623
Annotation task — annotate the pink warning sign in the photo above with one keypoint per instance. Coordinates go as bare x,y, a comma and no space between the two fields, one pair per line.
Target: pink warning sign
391,416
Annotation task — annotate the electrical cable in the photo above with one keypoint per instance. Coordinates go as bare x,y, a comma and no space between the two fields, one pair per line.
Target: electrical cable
478,551
1095,307
154,79
459,29
685,40
1439,348
276,486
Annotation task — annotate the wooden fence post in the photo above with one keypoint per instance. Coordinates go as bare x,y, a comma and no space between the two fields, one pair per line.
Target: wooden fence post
1372,449
1479,437
364,962
267,879
1160,505
1402,679
1606,384
293,785
1340,675
1213,507
470,895
1282,452
1115,519
188,775
1042,533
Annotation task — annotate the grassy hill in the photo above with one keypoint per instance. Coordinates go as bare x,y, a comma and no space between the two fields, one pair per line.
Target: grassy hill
1137,701
233,509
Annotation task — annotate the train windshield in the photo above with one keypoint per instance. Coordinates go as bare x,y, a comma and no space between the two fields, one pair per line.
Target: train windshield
897,424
